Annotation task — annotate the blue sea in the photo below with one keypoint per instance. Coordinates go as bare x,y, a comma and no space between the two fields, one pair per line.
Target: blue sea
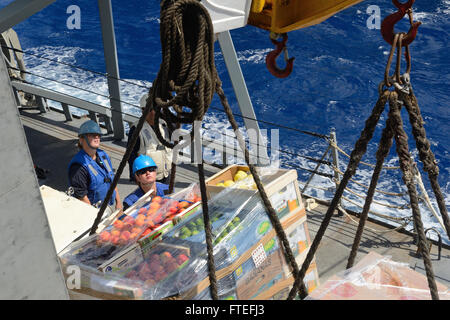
338,66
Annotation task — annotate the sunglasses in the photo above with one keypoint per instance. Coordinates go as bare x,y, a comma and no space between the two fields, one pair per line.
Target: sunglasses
142,171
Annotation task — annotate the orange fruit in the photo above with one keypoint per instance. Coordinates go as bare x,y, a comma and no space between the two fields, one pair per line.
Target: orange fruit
157,199
105,236
115,233
183,205
154,206
118,224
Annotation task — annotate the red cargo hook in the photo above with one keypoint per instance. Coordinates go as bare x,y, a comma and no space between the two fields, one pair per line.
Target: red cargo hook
387,26
271,57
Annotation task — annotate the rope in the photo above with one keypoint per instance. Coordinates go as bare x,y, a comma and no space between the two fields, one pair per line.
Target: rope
362,162
71,86
314,134
367,187
425,154
401,140
287,251
208,234
355,158
396,219
186,83
184,86
383,150
75,67
404,224
373,201
315,169
394,129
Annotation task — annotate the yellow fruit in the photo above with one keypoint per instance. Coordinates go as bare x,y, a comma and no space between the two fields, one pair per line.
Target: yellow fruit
220,184
240,175
228,183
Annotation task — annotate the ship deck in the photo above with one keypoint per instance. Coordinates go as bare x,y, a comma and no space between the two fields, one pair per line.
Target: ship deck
52,143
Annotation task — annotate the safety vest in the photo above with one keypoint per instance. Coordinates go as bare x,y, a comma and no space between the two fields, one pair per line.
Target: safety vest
101,179
138,193
152,147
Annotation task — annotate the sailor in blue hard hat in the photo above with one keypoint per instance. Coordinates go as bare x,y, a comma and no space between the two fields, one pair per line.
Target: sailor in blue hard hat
90,170
144,170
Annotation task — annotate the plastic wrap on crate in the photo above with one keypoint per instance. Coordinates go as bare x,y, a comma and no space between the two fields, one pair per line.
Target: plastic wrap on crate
122,246
175,263
239,221
377,277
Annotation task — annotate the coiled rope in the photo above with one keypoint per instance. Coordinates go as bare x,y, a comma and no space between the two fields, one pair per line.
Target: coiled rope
182,92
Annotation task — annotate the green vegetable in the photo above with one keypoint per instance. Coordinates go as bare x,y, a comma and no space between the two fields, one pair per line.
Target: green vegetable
199,222
269,245
263,227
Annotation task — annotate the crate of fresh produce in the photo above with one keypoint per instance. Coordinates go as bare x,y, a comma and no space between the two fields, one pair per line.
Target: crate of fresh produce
155,258
141,224
280,185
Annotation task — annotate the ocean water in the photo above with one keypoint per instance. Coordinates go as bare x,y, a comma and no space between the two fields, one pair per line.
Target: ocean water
339,64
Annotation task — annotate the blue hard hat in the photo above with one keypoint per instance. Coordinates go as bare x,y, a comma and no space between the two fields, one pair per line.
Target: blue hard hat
142,162
89,126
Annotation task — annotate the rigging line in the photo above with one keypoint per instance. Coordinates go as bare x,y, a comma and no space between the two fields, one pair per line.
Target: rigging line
317,135
330,189
367,187
404,224
375,213
372,212
96,93
362,162
326,175
321,161
89,91
294,166
405,206
86,90
102,95
76,67
39,86
72,86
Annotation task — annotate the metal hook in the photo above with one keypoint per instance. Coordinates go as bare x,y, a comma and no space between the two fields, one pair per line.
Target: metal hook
387,26
273,55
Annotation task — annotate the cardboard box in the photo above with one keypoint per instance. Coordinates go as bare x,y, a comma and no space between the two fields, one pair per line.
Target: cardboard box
280,185
94,284
253,282
281,290
243,267
123,261
146,241
299,241
192,209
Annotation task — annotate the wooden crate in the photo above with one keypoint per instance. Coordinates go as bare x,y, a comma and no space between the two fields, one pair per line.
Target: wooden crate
280,291
241,259
280,185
